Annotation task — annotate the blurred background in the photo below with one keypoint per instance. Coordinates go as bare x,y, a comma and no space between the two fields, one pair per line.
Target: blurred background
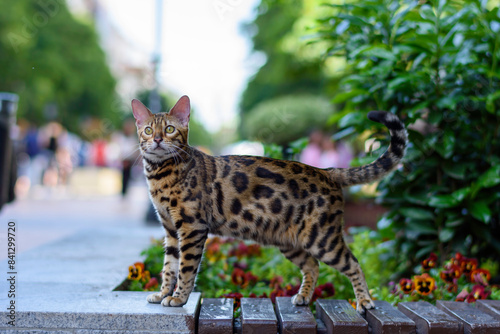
289,79
70,69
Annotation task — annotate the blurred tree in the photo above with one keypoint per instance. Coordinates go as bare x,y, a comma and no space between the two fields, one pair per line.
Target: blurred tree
284,119
284,71
55,64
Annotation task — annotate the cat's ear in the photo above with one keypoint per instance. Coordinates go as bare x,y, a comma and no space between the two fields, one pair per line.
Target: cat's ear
141,113
182,110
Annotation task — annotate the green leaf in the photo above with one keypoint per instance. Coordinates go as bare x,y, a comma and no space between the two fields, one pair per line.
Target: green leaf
446,234
460,194
421,227
443,201
342,97
456,171
424,251
417,213
417,198
490,178
379,52
353,118
480,211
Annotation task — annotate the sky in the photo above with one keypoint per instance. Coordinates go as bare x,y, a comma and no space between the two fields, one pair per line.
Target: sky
204,53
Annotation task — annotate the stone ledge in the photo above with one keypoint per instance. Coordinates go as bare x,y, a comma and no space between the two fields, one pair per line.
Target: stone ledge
66,287
117,311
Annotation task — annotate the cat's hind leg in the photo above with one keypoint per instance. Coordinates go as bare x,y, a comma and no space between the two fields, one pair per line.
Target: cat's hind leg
170,265
310,271
341,258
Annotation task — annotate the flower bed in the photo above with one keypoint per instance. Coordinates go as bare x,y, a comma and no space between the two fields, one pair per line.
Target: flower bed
233,268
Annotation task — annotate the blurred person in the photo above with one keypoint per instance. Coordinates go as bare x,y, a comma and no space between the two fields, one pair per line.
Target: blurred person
311,155
129,152
329,156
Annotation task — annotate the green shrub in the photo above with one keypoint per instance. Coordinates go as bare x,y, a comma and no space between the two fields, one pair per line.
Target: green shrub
285,119
435,64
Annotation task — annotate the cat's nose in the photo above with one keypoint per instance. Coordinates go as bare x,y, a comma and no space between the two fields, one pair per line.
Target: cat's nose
158,139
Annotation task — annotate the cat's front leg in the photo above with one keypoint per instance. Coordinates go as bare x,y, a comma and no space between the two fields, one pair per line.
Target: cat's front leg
170,265
191,243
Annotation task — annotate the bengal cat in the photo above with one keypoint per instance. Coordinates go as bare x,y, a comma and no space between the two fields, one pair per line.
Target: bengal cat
293,206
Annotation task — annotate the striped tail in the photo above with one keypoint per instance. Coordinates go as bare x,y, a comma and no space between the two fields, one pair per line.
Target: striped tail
385,163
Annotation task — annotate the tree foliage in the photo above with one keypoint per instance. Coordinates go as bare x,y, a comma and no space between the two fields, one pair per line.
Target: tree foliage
283,73
55,64
435,64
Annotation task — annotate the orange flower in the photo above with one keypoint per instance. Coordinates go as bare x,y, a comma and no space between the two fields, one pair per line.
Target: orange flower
424,284
135,271
406,285
146,276
467,266
430,262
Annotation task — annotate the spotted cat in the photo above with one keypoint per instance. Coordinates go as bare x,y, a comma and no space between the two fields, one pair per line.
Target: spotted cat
293,206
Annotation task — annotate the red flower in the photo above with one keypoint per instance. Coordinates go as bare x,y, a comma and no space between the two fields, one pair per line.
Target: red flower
430,262
451,273
237,298
481,276
457,260
452,287
278,292
478,292
152,284
462,295
238,277
468,265
276,282
254,250
323,291
251,278
406,285
291,291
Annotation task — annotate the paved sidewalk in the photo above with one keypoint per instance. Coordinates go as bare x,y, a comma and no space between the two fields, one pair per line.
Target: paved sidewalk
50,216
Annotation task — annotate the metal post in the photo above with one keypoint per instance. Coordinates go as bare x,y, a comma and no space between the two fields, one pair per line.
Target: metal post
8,172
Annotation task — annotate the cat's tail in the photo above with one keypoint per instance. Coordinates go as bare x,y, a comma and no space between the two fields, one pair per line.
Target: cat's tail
385,163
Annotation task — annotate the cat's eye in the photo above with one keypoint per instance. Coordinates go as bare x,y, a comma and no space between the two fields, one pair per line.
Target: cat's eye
170,129
148,130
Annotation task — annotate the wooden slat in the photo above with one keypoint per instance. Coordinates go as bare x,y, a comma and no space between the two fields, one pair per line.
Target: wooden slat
216,316
473,320
385,319
492,307
294,319
340,317
430,319
257,316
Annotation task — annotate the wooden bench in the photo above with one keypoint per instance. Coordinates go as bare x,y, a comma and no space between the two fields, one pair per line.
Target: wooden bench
338,316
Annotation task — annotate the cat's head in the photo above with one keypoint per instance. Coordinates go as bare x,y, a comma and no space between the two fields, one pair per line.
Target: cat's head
162,136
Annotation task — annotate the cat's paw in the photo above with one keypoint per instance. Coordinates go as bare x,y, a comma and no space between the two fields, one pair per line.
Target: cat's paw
299,300
155,298
364,304
173,301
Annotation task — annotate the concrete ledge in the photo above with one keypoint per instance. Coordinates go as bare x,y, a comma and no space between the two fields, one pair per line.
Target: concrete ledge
66,287
119,312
